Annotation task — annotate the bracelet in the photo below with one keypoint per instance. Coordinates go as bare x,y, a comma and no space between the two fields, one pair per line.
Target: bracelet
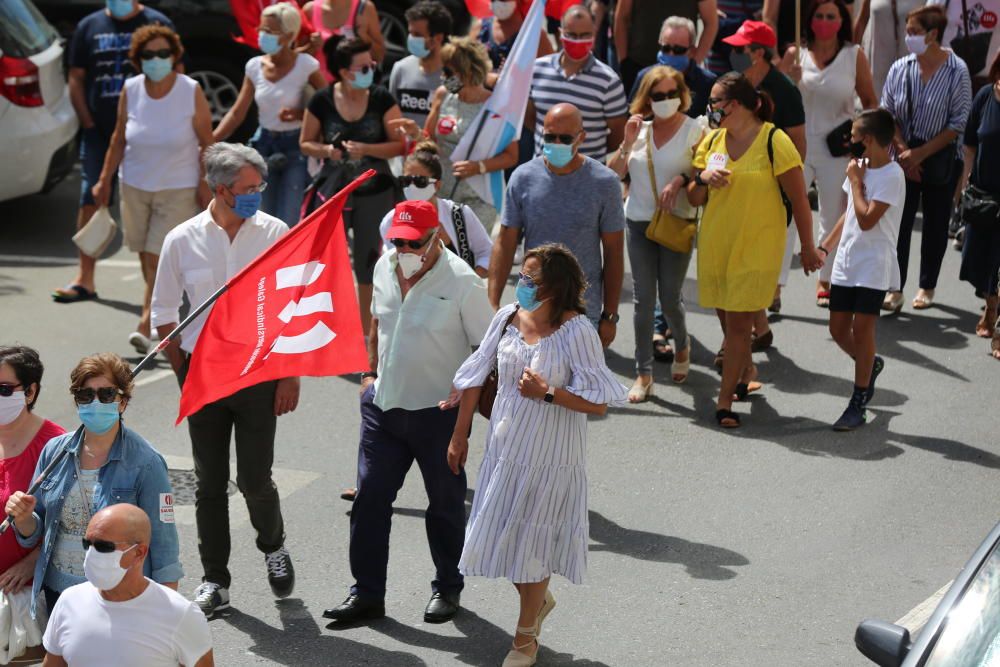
697,179
823,250
686,179
621,150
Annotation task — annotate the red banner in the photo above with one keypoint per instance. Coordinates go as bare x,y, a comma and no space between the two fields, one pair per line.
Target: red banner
292,311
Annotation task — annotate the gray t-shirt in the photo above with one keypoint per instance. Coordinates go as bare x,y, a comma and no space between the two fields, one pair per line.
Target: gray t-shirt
412,88
572,209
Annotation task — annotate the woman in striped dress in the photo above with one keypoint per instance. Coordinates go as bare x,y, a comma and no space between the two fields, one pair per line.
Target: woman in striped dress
529,516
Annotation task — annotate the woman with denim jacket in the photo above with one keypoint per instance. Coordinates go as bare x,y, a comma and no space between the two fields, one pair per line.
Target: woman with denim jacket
107,464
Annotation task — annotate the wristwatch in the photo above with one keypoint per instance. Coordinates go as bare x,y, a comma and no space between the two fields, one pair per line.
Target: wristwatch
550,395
482,167
611,317
697,178
369,374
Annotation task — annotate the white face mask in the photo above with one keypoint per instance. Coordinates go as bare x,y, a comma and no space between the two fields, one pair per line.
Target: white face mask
104,571
410,262
11,407
916,44
421,194
503,10
666,108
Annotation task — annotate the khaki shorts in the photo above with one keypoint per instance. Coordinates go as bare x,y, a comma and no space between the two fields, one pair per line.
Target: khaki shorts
148,216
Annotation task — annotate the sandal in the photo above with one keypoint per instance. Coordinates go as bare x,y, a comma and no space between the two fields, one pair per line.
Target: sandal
985,326
744,389
893,302
761,343
679,369
515,658
721,415
995,344
924,299
547,606
717,362
661,349
349,495
823,298
73,293
640,391
775,306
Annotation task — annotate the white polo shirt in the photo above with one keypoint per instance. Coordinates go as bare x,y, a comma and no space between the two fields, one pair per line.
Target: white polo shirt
423,339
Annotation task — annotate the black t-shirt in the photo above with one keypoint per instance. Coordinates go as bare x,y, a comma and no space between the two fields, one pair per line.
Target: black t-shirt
100,46
368,129
788,109
983,132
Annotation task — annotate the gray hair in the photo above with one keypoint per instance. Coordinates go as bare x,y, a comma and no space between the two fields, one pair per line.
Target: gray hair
288,17
223,162
680,23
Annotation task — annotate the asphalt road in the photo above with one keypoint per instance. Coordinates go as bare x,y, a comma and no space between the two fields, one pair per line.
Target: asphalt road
762,546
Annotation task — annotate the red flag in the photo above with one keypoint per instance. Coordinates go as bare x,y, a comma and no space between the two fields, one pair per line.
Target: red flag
247,15
290,312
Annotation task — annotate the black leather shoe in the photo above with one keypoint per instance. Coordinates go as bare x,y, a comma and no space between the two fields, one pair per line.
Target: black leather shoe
442,607
355,609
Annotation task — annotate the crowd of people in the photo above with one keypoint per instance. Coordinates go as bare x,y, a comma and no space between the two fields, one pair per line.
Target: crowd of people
670,131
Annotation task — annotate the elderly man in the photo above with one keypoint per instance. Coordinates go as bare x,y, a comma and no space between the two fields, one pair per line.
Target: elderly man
429,309
566,197
199,256
119,617
677,50
575,76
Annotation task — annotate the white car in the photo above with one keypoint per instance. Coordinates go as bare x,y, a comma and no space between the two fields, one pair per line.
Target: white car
37,123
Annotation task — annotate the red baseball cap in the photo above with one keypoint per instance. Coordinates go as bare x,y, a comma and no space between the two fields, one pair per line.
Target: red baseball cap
753,32
411,220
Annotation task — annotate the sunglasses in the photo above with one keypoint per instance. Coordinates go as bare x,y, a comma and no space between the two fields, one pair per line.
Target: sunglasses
447,71
419,181
364,69
159,53
551,138
104,395
8,389
716,101
102,546
674,49
669,95
412,245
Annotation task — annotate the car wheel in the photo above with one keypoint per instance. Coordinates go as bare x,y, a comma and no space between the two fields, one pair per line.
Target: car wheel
394,31
220,91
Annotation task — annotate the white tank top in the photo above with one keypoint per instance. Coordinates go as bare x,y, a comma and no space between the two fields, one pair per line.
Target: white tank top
161,147
828,93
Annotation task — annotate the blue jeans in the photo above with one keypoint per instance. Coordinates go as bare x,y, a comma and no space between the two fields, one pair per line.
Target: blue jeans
287,176
93,147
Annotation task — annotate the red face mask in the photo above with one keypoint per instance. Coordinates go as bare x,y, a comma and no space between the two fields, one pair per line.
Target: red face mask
578,49
825,29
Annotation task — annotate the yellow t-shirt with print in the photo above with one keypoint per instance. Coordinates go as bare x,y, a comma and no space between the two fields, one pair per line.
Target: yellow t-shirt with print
741,240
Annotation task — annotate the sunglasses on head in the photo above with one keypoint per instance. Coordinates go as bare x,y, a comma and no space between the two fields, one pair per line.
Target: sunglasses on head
669,95
674,49
9,389
159,53
551,138
419,181
412,245
102,546
104,395
364,69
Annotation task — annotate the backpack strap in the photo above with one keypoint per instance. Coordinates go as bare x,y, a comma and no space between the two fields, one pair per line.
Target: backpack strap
770,147
462,235
770,158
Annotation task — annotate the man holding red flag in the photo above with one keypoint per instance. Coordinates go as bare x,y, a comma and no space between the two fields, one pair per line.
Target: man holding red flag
239,364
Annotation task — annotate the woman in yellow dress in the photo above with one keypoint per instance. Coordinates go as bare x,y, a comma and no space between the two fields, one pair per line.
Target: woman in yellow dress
742,237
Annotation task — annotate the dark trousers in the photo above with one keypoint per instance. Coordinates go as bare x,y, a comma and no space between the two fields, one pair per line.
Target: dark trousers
935,201
390,442
629,70
251,412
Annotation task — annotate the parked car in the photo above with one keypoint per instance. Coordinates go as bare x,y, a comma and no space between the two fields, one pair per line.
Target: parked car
37,123
963,631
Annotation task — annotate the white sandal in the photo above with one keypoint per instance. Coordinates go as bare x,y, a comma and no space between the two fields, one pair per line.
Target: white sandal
515,658
640,392
681,367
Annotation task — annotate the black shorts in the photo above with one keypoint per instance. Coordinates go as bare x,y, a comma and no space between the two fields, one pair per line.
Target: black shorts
862,300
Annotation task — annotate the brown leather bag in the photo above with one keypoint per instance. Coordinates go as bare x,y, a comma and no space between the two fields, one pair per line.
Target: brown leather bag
488,395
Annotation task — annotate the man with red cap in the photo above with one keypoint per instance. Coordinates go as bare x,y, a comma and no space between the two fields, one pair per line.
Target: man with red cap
429,309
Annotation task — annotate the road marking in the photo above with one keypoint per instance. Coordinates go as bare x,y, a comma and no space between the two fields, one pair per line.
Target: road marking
287,481
915,619
68,261
155,376
129,277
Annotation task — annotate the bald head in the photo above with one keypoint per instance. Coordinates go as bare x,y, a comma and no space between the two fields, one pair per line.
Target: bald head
120,523
577,16
563,119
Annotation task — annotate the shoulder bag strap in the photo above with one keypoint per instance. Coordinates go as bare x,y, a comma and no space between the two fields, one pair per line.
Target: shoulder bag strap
496,352
461,235
652,171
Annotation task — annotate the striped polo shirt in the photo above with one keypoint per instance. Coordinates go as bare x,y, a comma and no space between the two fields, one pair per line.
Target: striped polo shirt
596,91
923,110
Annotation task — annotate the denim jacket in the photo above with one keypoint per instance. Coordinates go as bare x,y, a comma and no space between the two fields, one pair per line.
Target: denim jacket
134,473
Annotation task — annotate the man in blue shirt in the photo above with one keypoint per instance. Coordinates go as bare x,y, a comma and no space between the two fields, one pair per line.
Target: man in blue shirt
98,67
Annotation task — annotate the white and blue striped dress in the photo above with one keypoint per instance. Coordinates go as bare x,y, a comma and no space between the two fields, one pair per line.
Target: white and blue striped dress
529,515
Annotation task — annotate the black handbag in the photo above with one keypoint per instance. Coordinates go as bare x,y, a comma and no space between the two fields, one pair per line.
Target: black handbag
978,207
839,139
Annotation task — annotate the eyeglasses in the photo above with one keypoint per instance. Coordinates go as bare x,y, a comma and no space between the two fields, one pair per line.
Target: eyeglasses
364,69
252,190
526,279
412,245
103,394
669,95
419,181
551,138
8,389
674,49
159,53
102,546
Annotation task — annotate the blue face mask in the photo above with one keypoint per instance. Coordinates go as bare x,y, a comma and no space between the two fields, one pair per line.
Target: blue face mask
527,296
245,206
363,81
97,417
417,46
558,155
268,42
679,63
120,8
157,69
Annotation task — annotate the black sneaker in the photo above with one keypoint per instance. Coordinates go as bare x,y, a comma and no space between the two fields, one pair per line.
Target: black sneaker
853,417
211,597
280,573
877,367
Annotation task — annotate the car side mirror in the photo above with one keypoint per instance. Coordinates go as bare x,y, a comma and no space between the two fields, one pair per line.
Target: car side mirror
883,643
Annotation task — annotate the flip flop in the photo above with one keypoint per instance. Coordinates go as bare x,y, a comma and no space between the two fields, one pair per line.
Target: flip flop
73,293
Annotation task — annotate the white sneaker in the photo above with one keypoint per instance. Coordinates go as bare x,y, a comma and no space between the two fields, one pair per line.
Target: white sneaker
211,597
142,344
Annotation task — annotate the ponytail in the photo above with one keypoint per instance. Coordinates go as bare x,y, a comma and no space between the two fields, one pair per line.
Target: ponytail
426,154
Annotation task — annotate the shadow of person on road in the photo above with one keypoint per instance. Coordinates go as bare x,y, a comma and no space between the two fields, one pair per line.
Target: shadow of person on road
784,374
701,561
299,642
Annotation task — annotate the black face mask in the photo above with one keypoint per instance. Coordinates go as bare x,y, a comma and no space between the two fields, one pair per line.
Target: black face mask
857,148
